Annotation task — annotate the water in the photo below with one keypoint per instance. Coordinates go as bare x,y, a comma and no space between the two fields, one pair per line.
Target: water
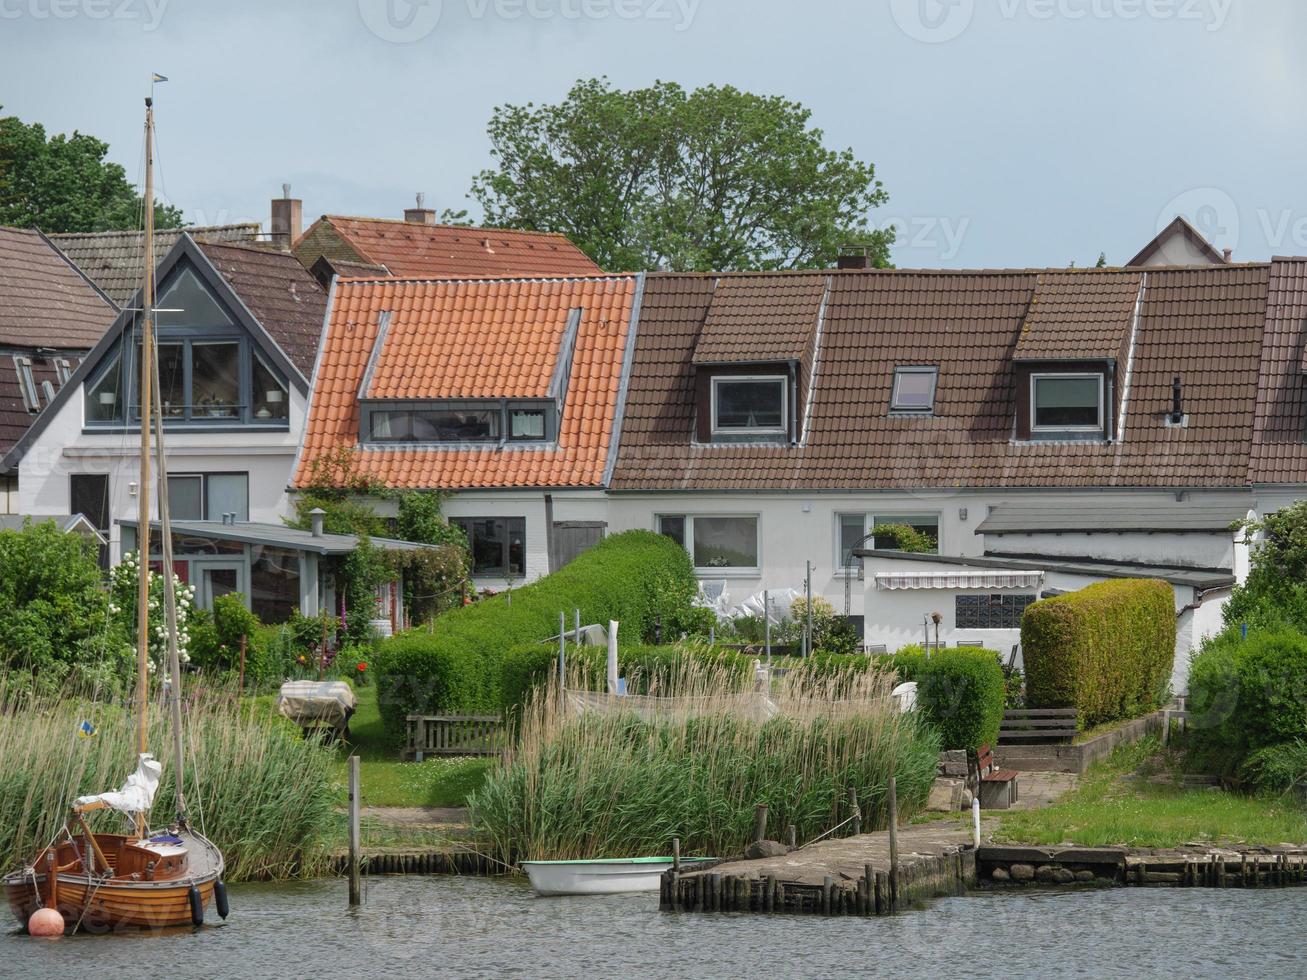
474,927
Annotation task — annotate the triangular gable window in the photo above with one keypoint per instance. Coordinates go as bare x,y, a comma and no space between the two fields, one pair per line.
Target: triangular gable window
185,302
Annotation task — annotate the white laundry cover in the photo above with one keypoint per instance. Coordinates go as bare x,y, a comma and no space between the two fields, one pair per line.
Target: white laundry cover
137,794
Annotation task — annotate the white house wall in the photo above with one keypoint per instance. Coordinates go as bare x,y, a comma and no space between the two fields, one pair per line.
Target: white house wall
64,449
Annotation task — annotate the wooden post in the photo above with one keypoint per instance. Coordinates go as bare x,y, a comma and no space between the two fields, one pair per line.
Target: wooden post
760,822
576,624
853,809
869,876
676,854
562,651
769,894
827,883
240,685
793,837
322,653
893,844
355,802
52,877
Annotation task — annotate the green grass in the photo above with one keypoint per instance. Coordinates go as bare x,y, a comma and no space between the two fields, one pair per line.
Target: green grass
387,781
1109,808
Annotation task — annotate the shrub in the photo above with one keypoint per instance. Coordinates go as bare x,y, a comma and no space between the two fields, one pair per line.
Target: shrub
1105,650
636,578
1278,768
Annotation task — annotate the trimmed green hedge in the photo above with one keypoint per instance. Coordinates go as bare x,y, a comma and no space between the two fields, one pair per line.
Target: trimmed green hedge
1105,650
633,578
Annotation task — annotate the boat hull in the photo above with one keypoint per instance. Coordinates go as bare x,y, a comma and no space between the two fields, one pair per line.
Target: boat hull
605,877
136,905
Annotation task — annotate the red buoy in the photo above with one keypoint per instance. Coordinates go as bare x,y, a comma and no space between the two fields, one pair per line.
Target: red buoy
46,922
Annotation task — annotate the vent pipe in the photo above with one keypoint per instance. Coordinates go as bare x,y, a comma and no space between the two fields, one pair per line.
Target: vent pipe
316,515
1177,401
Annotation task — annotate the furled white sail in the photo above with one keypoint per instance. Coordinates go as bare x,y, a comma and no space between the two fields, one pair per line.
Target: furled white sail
137,794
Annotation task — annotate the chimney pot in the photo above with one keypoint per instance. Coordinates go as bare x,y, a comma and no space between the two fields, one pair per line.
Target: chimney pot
1228,253
287,217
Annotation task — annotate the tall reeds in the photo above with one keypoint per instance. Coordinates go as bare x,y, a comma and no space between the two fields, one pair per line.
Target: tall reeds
598,776
253,786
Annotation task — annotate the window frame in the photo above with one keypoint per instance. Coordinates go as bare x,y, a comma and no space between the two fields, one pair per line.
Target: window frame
27,384
869,519
1037,377
715,571
503,407
902,370
719,379
204,477
503,571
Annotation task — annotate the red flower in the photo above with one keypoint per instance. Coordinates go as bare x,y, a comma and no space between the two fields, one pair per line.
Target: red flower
362,667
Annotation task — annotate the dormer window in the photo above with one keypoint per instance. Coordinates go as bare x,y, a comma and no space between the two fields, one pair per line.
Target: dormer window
749,405
1066,403
475,422
914,390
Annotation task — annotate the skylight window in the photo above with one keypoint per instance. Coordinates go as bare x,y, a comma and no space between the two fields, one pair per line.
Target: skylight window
914,390
27,384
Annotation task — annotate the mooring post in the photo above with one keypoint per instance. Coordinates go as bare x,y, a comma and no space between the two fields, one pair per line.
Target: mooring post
760,822
562,650
355,804
856,813
869,874
576,622
793,837
827,883
975,821
676,854
893,845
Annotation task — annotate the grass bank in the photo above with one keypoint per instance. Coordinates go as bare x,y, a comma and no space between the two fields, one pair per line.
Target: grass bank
1132,799
262,793
623,777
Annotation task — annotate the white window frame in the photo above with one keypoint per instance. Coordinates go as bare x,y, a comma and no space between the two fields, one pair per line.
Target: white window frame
1063,376
781,430
716,571
869,526
906,369
27,384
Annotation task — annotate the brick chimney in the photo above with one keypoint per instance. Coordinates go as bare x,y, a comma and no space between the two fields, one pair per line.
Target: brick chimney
420,215
287,217
1229,254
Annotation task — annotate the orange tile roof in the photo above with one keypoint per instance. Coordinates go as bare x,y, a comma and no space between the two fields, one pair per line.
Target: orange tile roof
414,249
473,338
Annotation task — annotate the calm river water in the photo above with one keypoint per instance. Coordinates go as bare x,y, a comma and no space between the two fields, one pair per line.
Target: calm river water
473,927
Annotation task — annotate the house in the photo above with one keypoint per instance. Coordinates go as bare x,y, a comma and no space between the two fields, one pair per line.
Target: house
113,259
238,327
505,393
417,247
776,419
50,316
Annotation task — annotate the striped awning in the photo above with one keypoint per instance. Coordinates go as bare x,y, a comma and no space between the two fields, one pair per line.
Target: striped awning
971,579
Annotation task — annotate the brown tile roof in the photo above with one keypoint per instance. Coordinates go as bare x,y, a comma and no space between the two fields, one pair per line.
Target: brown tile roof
113,259
760,318
1203,324
473,338
44,301
1079,315
15,419
282,295
1279,450
415,250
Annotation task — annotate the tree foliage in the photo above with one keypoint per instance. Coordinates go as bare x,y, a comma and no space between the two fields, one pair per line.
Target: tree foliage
1274,591
64,183
713,178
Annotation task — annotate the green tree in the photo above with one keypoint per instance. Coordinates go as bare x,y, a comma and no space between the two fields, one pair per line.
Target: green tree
656,177
64,183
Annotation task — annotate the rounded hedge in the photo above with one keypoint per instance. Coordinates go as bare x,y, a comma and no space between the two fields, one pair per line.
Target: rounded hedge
1105,650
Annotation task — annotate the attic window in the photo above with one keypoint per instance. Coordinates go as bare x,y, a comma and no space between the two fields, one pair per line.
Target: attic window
914,390
1066,402
749,405
27,384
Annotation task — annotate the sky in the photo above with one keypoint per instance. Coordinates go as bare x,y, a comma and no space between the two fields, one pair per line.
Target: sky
1008,133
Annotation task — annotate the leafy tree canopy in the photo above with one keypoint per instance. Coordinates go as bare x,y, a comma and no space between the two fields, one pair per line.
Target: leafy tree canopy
713,178
64,183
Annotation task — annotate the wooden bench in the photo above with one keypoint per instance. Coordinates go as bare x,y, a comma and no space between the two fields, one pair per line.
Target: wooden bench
998,787
453,735
1038,726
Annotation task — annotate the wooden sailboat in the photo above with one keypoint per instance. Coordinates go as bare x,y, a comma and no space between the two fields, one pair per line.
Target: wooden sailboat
143,878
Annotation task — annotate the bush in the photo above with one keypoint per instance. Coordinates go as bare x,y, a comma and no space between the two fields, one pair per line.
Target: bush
636,578
1105,650
1278,768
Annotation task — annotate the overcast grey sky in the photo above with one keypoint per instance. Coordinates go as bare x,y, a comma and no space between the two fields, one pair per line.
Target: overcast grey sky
1007,132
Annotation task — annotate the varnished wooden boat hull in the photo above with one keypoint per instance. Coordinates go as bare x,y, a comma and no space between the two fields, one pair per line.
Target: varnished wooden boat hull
113,905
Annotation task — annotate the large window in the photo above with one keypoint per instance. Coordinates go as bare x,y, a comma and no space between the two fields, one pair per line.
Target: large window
489,422
88,494
1066,402
914,390
714,541
210,373
497,544
749,405
207,496
990,612
858,531
274,582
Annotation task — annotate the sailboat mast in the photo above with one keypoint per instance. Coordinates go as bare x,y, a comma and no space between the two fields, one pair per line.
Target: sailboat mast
146,390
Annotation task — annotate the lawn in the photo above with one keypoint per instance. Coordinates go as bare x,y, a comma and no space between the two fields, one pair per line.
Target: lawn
1126,799
386,781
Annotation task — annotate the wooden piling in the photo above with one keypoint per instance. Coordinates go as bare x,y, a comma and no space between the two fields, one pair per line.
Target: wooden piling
827,883
355,804
793,836
893,845
760,822
769,894
855,812
676,854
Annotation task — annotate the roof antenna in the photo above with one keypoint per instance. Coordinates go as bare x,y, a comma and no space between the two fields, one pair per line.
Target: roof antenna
421,199
1177,402
285,190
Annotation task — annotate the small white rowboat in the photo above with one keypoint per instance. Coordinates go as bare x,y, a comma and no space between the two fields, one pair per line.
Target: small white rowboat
606,876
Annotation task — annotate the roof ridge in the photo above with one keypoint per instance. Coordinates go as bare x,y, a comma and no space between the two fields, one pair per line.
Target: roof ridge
468,228
389,280
128,231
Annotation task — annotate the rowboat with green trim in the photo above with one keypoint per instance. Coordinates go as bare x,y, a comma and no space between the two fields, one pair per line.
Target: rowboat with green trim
602,876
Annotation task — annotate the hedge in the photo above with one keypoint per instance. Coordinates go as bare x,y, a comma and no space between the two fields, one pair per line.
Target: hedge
1247,696
960,690
1105,650
455,666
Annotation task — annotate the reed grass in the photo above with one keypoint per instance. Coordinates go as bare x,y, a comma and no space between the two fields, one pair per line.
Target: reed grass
624,776
253,786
